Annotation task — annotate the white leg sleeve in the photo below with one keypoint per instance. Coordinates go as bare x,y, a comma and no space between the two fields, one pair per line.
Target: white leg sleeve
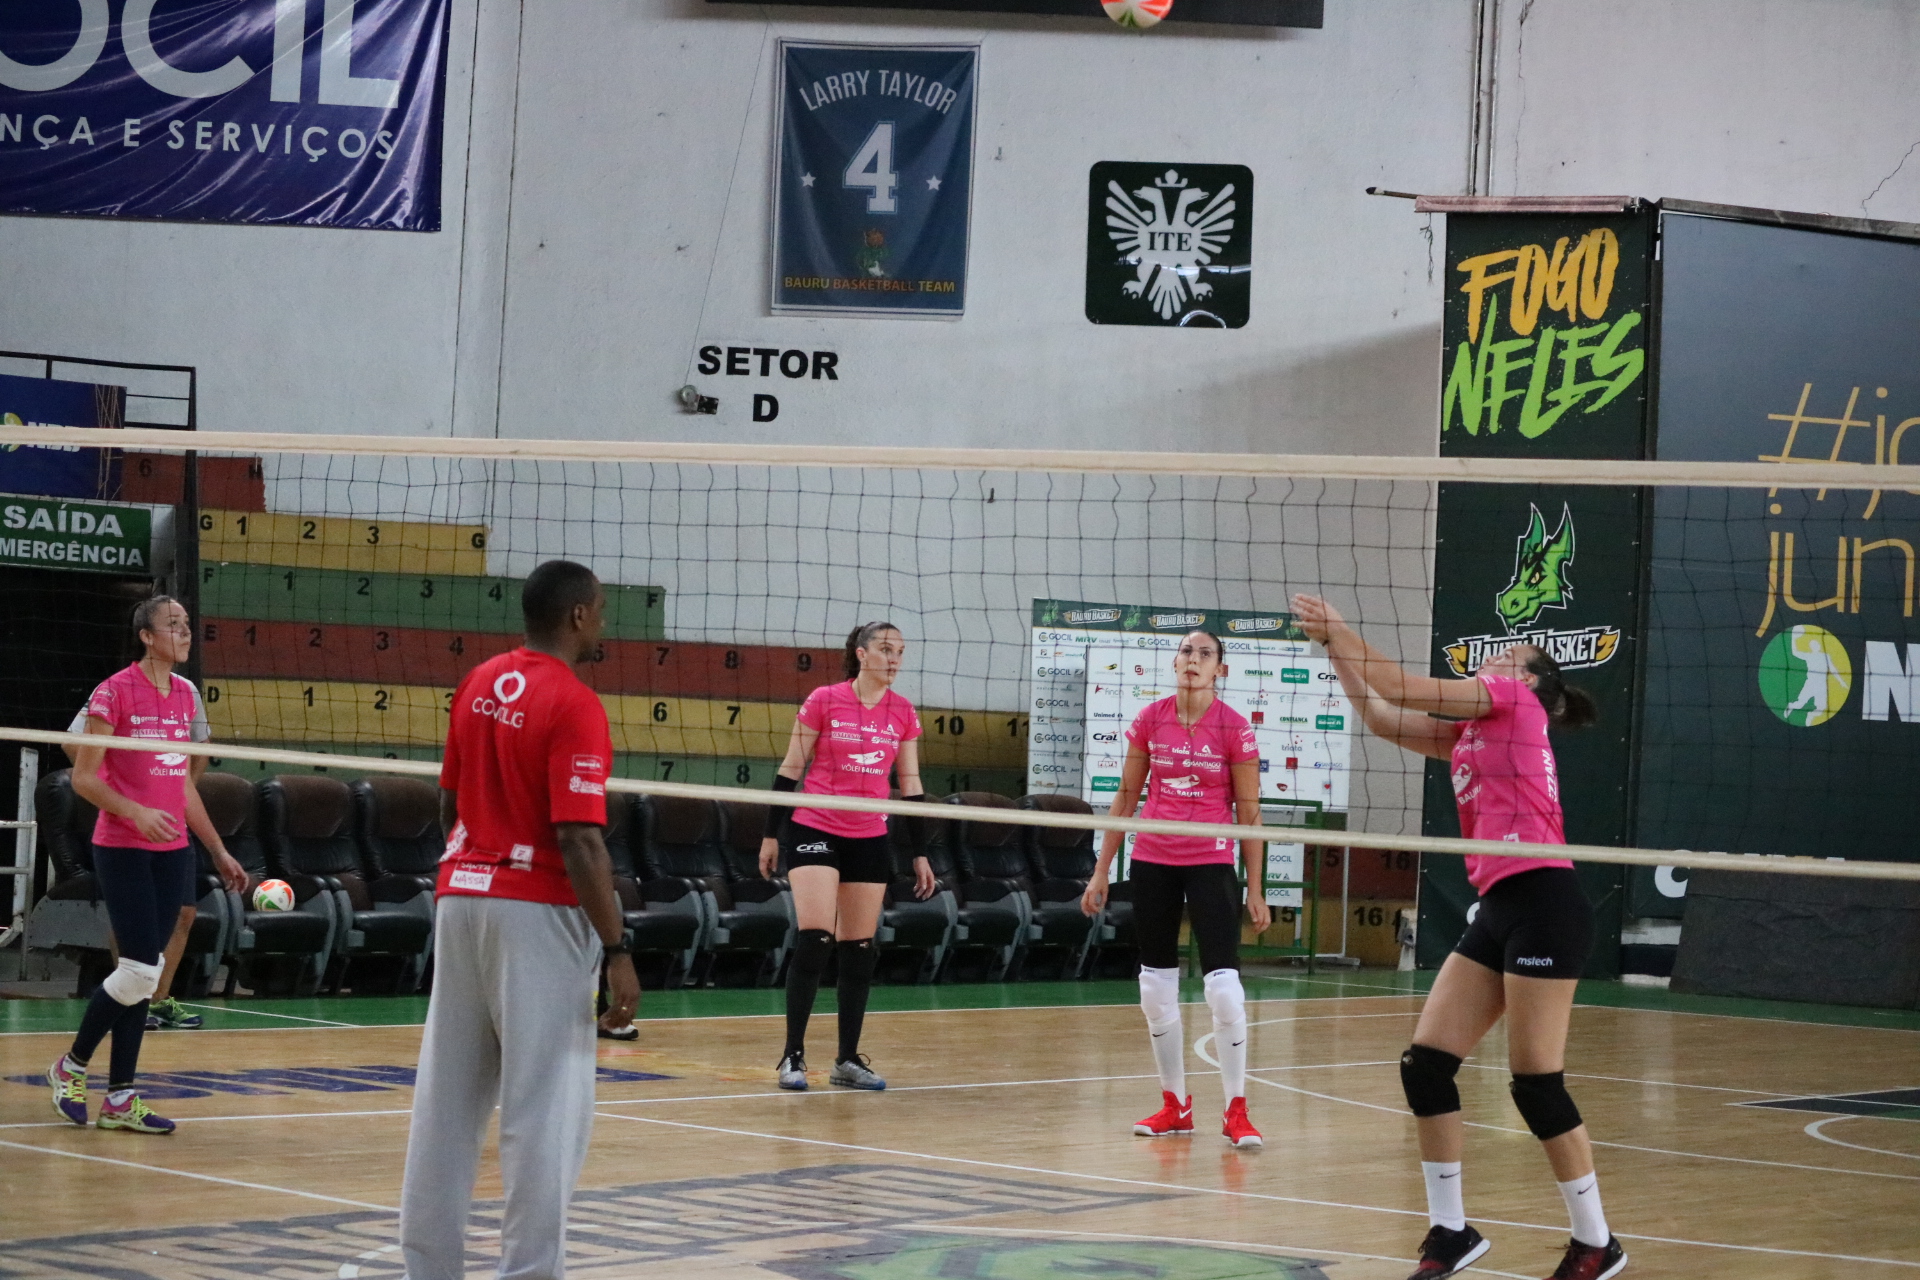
1228,1000
1160,1000
131,982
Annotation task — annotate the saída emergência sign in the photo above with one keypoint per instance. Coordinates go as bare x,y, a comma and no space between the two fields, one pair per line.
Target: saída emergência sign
873,184
1545,335
94,537
309,112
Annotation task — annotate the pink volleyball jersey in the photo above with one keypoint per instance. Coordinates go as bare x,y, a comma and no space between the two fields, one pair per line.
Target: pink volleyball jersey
853,755
128,702
1505,781
1189,778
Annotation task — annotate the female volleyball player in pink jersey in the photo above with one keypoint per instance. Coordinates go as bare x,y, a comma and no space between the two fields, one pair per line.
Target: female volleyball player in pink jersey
141,858
1196,758
1526,944
847,740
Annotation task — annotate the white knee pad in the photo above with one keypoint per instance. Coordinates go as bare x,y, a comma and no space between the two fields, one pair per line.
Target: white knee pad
131,982
1160,995
1226,997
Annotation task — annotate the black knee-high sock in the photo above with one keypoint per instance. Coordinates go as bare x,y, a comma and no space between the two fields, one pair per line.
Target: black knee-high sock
103,1011
856,980
810,952
124,1059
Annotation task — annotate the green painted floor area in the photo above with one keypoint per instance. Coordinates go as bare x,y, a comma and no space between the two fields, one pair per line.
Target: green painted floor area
29,1016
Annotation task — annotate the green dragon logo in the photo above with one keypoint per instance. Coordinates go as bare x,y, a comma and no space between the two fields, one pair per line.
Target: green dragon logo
1540,565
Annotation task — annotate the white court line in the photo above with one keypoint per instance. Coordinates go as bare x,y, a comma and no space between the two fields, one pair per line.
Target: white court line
929,1088
278,1115
1664,1084
1559,1230
1836,1093
262,1013
1814,1131
202,1177
1199,1047
939,1228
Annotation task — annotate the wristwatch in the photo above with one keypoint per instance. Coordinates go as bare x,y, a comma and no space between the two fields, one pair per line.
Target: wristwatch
624,947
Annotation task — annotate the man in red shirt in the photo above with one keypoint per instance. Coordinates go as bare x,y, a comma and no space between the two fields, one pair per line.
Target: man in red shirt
525,911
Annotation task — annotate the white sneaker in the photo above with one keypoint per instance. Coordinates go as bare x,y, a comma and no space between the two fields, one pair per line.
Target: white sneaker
854,1073
793,1072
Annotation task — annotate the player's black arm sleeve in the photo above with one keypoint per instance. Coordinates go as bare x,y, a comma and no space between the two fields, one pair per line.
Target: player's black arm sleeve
779,821
916,827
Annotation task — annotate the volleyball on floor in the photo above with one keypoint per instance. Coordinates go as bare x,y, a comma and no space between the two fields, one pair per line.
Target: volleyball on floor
1136,13
273,895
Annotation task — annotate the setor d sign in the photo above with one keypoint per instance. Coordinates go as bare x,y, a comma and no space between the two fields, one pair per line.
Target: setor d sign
95,537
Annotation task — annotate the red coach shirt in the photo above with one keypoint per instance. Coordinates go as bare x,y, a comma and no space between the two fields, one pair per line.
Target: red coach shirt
528,747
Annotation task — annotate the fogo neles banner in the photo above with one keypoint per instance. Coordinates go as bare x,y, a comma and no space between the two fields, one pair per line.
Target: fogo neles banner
309,112
1544,355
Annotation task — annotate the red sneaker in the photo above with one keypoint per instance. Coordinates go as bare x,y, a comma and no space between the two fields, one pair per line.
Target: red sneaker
1238,1129
1592,1262
1173,1120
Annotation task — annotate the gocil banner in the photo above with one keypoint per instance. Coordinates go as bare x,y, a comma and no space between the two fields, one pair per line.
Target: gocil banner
304,112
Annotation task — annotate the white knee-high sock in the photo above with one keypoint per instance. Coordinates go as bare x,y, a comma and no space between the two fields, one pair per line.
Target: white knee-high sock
1446,1207
1228,1000
1160,1001
1583,1206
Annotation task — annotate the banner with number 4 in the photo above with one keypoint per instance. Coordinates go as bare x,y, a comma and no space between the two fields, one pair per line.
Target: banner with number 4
874,184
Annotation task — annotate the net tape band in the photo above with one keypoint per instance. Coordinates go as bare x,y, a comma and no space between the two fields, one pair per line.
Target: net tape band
1771,863
1719,475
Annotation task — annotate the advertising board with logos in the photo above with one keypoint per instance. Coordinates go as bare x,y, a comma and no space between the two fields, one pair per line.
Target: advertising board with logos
1097,666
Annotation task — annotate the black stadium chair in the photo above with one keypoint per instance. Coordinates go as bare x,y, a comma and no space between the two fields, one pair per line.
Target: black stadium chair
306,823
683,841
1060,863
72,920
746,826
396,826
666,929
983,861
914,935
270,952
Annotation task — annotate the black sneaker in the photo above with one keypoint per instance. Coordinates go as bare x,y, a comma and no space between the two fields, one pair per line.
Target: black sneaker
1444,1252
1592,1261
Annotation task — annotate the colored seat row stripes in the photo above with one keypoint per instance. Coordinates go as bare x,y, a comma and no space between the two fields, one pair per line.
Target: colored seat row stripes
246,647
255,710
450,602
405,547
717,771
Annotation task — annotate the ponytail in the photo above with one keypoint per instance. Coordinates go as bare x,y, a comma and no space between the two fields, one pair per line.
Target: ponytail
1568,706
857,640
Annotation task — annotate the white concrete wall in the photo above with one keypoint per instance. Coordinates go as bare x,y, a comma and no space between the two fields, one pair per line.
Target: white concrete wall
1786,104
610,215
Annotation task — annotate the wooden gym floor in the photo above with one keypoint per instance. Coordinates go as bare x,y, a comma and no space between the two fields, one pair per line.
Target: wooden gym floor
1003,1150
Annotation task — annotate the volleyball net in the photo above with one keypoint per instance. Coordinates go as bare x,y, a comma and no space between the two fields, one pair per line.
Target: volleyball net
1754,682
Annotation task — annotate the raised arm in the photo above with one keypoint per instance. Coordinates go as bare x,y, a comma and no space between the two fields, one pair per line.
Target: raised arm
1361,666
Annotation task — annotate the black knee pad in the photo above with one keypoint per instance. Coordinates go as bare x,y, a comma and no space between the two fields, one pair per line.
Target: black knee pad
857,957
1545,1104
1427,1076
811,949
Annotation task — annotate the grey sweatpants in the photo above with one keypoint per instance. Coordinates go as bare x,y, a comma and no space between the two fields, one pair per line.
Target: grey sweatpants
510,1022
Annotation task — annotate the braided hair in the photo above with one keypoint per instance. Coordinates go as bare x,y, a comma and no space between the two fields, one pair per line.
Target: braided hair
857,640
1568,705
